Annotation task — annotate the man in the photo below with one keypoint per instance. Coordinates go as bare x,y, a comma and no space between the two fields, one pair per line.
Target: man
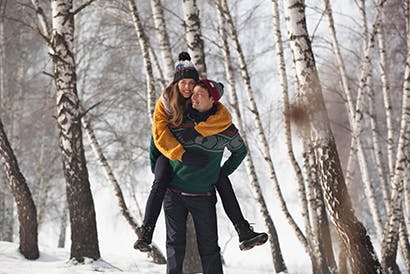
192,189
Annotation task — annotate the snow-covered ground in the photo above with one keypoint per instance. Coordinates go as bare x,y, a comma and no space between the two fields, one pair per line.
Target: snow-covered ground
55,261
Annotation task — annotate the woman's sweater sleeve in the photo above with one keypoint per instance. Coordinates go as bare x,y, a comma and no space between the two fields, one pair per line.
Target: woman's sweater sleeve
164,140
215,123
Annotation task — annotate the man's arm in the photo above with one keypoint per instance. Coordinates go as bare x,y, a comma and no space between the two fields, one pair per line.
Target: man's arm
238,150
215,123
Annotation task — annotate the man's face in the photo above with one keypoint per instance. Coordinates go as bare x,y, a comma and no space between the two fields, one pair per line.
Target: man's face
201,100
185,87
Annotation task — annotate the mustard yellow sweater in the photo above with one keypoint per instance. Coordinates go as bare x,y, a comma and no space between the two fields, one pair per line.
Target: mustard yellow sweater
165,141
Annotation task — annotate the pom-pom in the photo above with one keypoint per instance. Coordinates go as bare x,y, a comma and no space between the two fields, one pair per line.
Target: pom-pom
184,56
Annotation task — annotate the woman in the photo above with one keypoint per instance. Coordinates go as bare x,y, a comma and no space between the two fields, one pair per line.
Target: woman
170,109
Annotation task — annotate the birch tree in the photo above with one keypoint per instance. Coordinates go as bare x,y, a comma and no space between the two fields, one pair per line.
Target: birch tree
163,38
60,39
6,200
26,208
143,42
392,226
278,261
261,134
193,35
155,253
310,100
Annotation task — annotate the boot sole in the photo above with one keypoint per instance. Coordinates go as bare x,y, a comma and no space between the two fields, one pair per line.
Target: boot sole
258,240
142,247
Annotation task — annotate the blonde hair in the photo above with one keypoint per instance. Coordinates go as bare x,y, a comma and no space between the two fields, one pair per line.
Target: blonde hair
178,105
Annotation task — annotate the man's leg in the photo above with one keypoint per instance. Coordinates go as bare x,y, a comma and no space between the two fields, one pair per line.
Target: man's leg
247,237
175,220
154,203
204,215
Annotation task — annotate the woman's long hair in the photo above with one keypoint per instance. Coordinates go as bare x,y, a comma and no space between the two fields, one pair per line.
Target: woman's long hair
178,105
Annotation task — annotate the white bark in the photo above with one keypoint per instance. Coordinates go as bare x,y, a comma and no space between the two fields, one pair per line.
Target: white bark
193,35
79,196
406,210
45,29
163,38
386,95
357,127
401,166
286,113
2,62
310,99
277,257
143,42
155,253
261,134
381,170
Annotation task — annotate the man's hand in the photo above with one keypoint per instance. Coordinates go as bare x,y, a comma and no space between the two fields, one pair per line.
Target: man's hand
189,134
194,158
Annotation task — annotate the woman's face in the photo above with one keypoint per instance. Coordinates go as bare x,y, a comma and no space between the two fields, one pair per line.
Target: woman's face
186,86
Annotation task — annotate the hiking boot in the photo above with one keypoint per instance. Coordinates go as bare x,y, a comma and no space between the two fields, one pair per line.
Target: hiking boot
145,238
248,238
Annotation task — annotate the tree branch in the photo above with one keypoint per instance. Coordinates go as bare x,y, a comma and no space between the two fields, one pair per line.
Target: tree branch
83,6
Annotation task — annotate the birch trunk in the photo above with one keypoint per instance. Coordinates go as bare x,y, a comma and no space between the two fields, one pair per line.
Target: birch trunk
63,225
6,199
392,226
319,238
360,251
406,211
143,42
404,243
286,111
6,211
381,169
278,261
312,228
84,240
261,134
26,208
386,96
109,174
163,38
2,58
41,194
193,35
162,81
357,128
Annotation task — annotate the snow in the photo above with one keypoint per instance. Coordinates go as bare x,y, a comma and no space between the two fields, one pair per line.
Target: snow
116,239
55,261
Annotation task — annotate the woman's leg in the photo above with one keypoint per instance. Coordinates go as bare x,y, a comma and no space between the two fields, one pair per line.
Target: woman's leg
247,237
156,195
154,203
229,201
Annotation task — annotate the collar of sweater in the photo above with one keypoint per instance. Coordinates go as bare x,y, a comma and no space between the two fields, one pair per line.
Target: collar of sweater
200,116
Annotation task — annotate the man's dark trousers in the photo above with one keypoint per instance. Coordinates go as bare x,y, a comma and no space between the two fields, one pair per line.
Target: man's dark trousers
202,209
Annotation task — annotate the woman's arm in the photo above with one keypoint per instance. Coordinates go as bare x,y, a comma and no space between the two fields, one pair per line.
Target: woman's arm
164,140
216,123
